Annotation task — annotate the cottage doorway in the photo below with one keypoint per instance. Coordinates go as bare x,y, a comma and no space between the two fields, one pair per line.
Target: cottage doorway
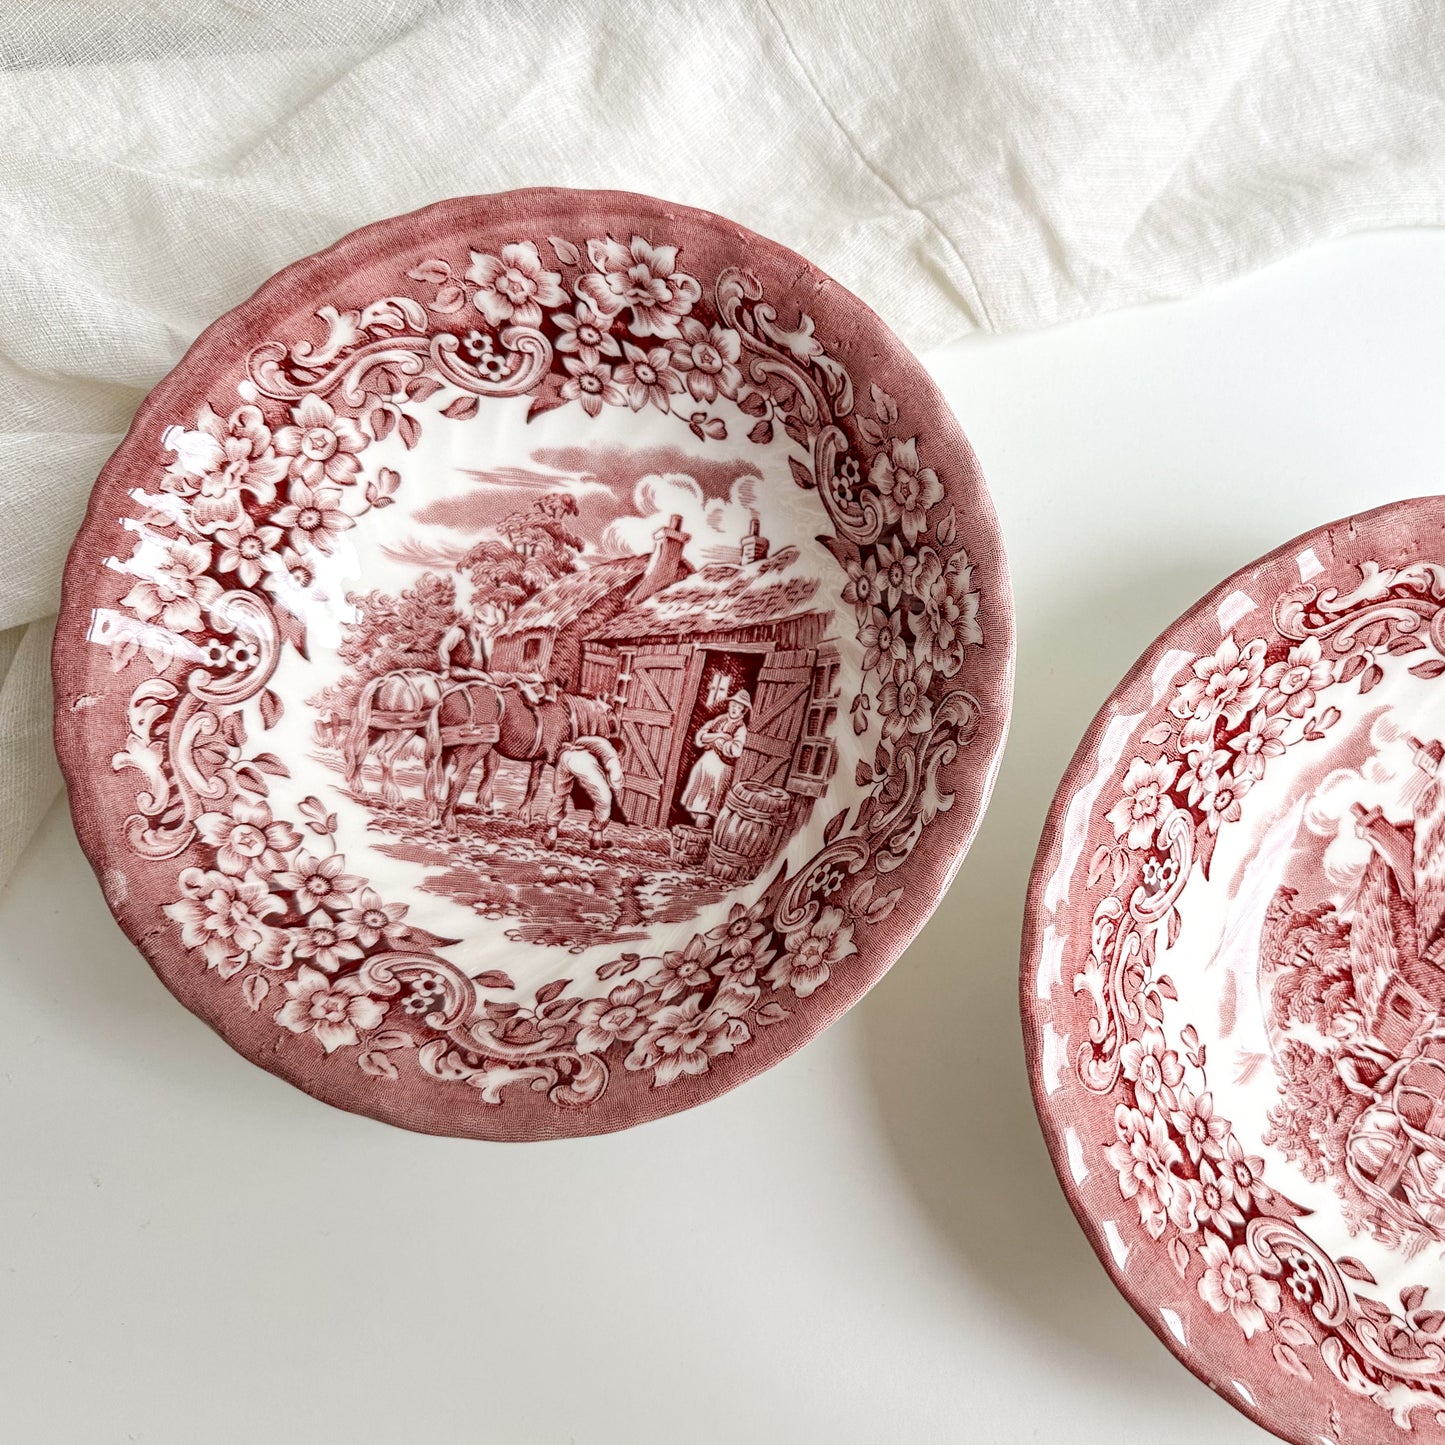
721,676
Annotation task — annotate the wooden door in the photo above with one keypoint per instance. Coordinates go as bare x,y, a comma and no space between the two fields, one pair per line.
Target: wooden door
654,717
599,675
779,710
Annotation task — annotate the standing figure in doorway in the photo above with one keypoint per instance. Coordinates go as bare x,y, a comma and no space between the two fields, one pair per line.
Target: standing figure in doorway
720,742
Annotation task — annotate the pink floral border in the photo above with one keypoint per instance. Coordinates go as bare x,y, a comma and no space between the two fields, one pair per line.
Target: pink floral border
317,952
1285,1331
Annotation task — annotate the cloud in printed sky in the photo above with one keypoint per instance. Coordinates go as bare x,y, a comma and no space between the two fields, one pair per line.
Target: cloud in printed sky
716,525
607,483
496,492
1387,779
618,468
439,552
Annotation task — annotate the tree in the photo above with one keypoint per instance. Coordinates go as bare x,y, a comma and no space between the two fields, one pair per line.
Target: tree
532,549
392,633
1312,1121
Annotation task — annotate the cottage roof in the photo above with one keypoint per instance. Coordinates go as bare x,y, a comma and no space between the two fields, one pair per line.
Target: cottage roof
1429,863
574,593
1382,941
718,598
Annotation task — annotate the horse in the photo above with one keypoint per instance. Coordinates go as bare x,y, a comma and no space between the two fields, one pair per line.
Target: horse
393,708
480,723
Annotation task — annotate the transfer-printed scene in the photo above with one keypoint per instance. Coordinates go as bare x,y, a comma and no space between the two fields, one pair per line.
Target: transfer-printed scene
1353,960
600,695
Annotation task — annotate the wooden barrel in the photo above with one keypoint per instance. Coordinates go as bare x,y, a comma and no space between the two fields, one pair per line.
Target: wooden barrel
749,830
689,845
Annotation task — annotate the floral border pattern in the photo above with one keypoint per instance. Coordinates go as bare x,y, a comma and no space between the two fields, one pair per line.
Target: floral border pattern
224,560
1236,1242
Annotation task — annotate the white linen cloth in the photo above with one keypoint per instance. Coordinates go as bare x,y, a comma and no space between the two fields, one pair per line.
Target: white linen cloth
960,166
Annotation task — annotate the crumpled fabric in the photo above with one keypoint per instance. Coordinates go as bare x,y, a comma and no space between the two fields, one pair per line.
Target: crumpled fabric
984,166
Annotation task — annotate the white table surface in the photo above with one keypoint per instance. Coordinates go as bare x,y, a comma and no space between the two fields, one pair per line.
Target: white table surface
866,1244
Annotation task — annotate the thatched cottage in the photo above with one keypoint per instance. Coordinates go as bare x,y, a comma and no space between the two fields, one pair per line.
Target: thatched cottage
545,633
1397,939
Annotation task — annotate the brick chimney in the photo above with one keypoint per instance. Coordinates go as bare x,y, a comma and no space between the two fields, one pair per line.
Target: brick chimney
668,564
1428,756
1390,843
754,546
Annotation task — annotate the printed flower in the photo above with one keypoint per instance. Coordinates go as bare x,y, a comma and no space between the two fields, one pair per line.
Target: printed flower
589,380
239,457
649,376
225,917
708,358
587,329
684,1038
172,585
322,446
741,930
425,995
1295,683
947,620
1145,1155
371,920
1152,1068
866,588
1263,738
325,941
246,549
847,476
300,571
1202,1129
332,1009
1200,778
1244,1174
812,952
515,286
1138,815
314,517
1304,1276
883,642
744,946
1214,1206
1222,805
1234,1281
643,277
247,836
1159,873
319,883
684,969
478,346
906,487
958,573
1224,686
903,700
611,1020
907,573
